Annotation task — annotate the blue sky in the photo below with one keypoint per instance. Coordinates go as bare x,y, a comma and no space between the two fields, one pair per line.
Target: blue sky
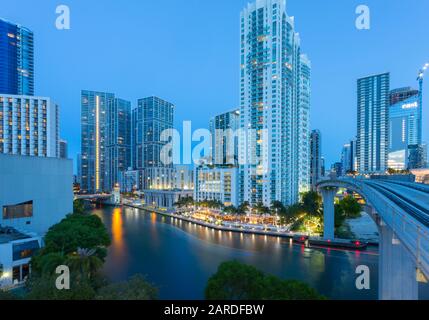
187,52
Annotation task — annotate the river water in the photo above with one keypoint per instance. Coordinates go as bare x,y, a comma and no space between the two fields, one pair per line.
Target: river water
179,257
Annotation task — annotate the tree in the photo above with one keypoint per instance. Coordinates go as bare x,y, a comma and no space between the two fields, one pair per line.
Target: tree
136,288
244,207
44,288
277,207
78,207
77,231
85,263
351,207
311,203
237,281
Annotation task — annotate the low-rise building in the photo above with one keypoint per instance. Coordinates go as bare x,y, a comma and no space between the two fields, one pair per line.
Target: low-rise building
164,199
16,250
216,183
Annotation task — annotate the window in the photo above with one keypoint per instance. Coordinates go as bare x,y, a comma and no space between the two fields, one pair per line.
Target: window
25,250
21,210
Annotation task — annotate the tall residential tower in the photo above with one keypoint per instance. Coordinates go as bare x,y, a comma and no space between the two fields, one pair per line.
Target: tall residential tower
106,140
373,123
16,59
274,106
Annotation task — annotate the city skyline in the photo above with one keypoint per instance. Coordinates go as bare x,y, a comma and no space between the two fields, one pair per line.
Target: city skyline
226,66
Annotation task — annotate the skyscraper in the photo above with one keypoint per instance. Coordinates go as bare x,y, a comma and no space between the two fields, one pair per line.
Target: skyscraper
405,125
274,106
16,59
315,158
223,129
105,148
151,117
346,159
118,141
29,126
63,149
373,123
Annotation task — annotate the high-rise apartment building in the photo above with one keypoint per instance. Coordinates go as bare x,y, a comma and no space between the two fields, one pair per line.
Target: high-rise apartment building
223,130
16,59
405,125
63,149
315,158
105,149
274,106
373,123
118,141
29,126
150,118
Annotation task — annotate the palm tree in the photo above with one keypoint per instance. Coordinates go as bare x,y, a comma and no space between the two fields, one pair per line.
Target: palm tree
85,262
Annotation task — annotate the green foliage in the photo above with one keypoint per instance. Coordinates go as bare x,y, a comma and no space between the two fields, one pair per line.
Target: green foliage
185,202
44,288
237,281
351,207
311,203
76,231
78,207
136,288
244,207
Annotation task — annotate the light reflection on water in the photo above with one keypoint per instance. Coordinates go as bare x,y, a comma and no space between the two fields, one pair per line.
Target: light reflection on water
179,256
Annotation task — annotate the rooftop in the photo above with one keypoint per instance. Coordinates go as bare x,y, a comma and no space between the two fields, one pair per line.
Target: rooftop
8,234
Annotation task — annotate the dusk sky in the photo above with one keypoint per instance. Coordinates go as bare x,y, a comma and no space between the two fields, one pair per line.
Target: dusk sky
187,52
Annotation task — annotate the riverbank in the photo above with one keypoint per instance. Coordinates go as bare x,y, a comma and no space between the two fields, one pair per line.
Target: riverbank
317,241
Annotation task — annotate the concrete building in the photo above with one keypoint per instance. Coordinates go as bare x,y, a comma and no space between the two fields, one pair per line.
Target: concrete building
164,200
16,250
274,106
373,123
216,183
183,177
29,126
106,140
63,149
16,59
223,129
315,158
35,192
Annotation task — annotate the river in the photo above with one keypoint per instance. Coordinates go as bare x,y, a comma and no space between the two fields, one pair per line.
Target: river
179,257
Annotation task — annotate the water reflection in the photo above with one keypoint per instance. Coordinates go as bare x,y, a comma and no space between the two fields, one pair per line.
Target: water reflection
179,256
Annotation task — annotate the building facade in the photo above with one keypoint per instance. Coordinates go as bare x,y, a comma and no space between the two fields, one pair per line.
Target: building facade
373,123
16,59
105,148
150,119
35,192
315,158
118,141
216,183
223,130
405,125
274,107
63,149
29,126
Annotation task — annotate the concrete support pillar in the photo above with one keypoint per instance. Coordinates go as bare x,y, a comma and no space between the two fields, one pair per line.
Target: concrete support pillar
328,195
397,268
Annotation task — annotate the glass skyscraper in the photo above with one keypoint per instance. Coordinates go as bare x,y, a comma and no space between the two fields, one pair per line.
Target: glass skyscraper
405,125
223,129
149,119
105,122
274,106
373,123
16,59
